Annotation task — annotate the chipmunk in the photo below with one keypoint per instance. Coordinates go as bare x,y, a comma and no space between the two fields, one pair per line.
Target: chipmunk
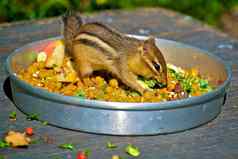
95,46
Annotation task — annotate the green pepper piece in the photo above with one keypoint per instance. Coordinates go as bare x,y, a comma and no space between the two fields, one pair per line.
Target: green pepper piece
13,115
33,116
80,94
44,122
147,83
87,152
150,83
203,83
110,145
67,146
134,93
132,150
3,144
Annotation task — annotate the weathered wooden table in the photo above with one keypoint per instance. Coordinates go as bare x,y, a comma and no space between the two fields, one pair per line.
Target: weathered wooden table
217,139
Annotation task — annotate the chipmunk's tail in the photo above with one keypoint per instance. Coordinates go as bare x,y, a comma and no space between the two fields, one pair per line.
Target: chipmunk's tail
71,25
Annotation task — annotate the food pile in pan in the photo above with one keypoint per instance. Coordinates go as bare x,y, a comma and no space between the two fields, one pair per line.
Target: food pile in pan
53,70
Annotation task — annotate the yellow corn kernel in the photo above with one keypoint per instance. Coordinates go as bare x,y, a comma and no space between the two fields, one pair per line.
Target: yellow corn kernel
113,83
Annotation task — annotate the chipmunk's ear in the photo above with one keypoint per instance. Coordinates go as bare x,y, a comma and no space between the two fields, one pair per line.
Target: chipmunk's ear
150,41
147,45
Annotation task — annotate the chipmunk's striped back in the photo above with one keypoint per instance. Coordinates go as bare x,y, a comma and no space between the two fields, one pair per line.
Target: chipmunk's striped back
96,35
97,43
108,35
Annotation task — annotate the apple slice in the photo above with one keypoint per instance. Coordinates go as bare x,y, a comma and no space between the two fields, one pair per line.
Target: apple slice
41,57
55,54
68,74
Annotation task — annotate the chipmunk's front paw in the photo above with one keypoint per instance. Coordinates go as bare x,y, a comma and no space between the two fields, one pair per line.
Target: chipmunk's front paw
140,89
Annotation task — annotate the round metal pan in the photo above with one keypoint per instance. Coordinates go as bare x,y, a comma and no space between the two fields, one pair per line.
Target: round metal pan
117,118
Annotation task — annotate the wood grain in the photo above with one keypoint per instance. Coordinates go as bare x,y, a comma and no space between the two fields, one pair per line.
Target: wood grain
217,139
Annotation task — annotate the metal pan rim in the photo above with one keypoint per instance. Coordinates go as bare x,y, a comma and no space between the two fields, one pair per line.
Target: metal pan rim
96,104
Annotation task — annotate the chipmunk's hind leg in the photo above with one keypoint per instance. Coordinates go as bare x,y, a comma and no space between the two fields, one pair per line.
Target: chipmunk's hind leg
84,69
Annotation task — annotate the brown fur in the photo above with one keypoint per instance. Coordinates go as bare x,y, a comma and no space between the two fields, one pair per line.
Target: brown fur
95,46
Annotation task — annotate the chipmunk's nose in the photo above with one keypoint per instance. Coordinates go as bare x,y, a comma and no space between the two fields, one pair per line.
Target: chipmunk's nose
165,78
162,78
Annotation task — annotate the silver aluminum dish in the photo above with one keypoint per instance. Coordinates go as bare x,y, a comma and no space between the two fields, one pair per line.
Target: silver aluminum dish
117,118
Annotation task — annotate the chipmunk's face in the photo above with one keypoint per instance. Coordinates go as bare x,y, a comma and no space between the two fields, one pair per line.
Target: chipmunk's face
153,58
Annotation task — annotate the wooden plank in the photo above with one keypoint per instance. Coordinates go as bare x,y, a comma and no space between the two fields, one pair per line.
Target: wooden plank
217,139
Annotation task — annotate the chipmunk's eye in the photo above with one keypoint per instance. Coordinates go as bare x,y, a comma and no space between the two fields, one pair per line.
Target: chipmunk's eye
156,65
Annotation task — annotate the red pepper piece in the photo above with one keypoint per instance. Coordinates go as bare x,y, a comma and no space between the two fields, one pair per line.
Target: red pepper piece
81,155
29,131
49,48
